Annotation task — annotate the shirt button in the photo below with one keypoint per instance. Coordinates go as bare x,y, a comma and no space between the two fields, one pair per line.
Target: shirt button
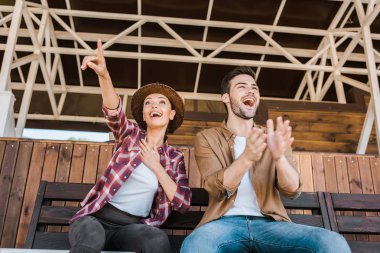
114,189
125,176
134,164
104,201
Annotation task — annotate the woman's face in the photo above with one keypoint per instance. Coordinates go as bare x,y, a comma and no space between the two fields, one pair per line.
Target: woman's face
157,111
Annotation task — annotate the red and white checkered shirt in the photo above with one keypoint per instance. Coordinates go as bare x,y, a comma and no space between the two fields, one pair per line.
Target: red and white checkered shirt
125,159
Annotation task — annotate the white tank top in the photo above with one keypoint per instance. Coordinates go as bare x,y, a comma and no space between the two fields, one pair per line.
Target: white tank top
137,194
246,201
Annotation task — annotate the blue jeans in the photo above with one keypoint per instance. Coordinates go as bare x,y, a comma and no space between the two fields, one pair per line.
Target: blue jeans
258,234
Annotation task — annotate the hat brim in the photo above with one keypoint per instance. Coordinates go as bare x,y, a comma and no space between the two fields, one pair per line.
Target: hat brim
175,100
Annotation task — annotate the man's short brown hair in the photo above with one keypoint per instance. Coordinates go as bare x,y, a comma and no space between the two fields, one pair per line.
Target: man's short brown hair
241,70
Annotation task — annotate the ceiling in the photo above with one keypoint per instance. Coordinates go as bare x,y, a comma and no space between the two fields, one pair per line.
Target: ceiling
189,45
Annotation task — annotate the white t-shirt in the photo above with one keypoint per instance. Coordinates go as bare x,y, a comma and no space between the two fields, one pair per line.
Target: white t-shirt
137,194
246,201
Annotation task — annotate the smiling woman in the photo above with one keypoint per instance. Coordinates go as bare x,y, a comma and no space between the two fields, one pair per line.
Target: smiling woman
145,179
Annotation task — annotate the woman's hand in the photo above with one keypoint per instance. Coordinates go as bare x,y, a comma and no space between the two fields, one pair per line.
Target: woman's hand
96,62
150,156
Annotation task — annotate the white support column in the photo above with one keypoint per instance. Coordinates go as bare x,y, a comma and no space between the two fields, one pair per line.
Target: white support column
10,47
7,120
335,61
204,38
366,130
26,98
374,84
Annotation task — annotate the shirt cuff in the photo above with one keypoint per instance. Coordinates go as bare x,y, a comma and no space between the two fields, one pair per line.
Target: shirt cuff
112,113
229,192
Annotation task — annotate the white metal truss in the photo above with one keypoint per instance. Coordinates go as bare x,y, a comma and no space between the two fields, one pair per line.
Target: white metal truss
326,65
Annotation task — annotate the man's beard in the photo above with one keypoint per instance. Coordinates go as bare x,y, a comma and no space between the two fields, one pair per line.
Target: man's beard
241,112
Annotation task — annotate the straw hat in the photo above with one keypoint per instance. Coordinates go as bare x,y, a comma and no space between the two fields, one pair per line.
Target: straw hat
175,100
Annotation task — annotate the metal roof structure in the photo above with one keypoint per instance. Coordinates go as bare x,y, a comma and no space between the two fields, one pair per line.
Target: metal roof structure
313,50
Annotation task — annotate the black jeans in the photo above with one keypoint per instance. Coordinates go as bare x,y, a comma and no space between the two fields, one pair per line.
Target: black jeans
111,229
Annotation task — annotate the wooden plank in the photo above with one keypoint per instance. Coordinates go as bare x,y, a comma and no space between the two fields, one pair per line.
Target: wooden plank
343,184
330,173
64,163
77,163
34,176
6,177
76,171
354,174
367,185
2,149
322,116
352,201
326,127
104,158
318,173
306,171
16,196
358,224
324,146
62,174
355,185
342,174
375,172
365,175
332,137
64,191
50,163
91,164
49,169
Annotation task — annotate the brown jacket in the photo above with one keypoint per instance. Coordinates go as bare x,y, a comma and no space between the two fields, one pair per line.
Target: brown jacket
214,153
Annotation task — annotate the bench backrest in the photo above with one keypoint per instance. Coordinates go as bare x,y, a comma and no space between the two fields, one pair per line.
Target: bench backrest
351,214
50,211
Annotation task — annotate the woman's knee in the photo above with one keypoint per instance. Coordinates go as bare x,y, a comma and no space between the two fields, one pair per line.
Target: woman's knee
87,233
156,241
140,238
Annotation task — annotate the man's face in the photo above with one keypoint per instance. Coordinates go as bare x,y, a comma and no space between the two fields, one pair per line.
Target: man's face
244,96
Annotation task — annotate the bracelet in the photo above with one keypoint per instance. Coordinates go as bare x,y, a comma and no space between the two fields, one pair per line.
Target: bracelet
113,108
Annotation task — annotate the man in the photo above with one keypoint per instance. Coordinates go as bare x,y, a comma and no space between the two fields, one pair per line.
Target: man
245,168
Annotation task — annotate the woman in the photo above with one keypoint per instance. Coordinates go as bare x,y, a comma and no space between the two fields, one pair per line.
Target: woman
145,178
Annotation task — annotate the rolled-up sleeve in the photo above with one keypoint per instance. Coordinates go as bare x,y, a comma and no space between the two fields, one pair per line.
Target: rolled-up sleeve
118,122
211,169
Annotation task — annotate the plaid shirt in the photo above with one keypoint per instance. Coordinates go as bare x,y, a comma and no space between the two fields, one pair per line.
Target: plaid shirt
125,159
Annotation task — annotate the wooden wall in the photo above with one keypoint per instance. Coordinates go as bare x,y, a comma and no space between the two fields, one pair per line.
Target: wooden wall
313,130
23,163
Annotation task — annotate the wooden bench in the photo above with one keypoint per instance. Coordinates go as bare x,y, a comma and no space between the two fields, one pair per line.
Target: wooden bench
45,214
347,214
